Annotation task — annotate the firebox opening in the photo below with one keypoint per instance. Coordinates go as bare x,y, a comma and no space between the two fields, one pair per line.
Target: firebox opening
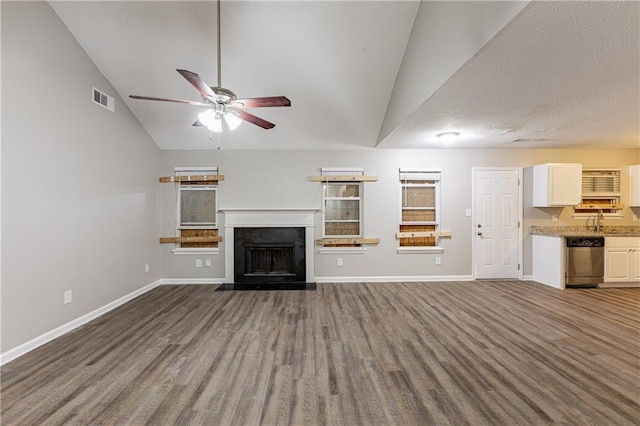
270,260
269,255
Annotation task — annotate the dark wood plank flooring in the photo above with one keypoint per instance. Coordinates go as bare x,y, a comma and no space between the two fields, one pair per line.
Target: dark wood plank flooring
449,353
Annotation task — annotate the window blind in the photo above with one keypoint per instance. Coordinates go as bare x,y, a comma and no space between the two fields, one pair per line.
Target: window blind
600,182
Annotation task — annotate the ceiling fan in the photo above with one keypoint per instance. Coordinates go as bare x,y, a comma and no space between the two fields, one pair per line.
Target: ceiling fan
222,102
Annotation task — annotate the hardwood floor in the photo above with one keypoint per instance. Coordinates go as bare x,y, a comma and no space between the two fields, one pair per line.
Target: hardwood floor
463,353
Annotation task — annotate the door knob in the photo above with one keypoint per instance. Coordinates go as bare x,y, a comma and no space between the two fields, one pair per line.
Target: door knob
480,233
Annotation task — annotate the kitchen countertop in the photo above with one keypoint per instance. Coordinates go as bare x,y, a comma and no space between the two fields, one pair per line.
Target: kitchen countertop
582,231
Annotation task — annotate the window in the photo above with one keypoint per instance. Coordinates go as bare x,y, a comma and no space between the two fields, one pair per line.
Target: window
342,207
342,202
600,191
419,208
197,206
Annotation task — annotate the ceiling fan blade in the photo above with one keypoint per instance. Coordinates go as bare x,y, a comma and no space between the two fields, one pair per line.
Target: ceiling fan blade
253,119
199,84
270,101
180,101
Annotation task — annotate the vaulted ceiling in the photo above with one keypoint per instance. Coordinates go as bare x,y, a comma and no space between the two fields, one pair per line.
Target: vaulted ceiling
366,74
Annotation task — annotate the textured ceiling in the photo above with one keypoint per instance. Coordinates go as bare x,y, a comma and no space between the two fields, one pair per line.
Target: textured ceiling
560,74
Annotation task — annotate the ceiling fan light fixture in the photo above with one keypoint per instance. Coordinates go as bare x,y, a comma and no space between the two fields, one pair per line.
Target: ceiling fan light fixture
448,137
232,119
211,119
216,125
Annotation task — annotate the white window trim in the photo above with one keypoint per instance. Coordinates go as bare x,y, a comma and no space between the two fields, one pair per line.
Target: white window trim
420,249
195,171
195,250
342,250
585,216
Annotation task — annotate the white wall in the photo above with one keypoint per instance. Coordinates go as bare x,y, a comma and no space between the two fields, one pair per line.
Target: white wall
279,179
79,183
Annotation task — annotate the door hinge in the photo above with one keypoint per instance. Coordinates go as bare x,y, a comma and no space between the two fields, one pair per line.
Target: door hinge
518,266
518,224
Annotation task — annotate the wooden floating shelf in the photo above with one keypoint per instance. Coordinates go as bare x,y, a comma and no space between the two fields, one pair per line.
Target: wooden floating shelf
195,178
176,240
346,178
332,241
599,206
436,234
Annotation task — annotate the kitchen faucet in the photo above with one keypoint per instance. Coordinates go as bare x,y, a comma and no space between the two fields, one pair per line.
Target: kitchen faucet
597,221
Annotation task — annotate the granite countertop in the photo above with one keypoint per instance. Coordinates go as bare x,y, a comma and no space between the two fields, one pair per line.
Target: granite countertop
582,231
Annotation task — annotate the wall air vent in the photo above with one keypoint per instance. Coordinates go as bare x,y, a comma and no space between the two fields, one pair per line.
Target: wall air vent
103,99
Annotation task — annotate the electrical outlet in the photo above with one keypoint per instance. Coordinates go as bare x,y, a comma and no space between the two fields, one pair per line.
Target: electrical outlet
438,261
339,261
198,263
146,267
554,218
467,212
207,263
68,296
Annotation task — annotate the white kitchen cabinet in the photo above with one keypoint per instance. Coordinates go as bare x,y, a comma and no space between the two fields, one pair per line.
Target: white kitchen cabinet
634,185
557,184
622,259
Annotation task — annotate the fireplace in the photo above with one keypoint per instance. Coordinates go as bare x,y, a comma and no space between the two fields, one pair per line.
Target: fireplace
269,249
269,255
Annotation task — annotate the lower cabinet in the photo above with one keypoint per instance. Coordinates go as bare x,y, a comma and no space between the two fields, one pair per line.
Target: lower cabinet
622,259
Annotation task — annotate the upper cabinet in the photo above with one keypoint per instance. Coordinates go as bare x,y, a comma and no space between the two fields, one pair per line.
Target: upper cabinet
634,185
557,184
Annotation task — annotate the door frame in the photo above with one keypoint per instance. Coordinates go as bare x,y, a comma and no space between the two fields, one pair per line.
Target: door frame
474,214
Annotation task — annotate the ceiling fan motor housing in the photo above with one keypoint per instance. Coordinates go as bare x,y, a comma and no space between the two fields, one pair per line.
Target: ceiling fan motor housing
225,96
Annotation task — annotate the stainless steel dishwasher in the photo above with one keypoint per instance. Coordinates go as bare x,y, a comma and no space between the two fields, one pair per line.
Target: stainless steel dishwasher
585,261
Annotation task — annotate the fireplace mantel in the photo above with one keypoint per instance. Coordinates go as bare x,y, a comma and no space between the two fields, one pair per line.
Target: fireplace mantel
254,218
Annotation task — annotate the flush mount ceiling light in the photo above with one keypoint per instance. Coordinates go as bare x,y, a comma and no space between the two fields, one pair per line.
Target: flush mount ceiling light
448,137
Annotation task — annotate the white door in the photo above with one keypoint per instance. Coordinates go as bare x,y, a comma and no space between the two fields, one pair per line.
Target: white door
496,226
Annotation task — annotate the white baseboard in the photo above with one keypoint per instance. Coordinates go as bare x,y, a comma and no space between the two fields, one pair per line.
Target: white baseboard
174,281
22,349
393,279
